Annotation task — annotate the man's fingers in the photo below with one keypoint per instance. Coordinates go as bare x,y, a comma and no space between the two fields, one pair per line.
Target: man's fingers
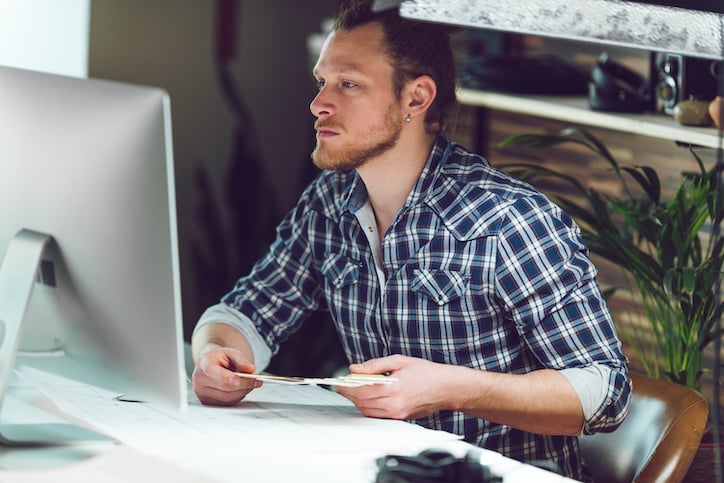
218,397
382,365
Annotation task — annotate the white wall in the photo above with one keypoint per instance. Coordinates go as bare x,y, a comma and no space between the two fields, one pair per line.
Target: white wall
45,35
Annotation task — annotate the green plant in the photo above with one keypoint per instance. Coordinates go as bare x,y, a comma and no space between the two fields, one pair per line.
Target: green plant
665,245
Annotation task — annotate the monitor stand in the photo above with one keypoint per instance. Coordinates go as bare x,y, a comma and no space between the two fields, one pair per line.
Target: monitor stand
17,278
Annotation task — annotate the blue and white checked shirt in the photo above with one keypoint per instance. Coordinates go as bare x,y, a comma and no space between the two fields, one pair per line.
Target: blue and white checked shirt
481,270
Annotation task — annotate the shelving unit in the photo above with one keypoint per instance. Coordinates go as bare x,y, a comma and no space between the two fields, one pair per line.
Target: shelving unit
576,111
695,30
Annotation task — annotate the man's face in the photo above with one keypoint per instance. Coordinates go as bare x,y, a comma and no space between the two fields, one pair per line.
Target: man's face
359,117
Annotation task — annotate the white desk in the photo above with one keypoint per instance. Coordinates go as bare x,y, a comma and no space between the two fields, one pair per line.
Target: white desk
279,433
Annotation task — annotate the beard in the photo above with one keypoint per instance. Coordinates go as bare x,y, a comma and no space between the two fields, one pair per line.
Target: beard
376,141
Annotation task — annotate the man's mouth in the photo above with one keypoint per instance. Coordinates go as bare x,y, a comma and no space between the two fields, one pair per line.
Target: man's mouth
325,130
325,133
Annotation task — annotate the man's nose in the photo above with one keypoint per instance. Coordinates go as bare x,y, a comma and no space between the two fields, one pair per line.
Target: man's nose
321,105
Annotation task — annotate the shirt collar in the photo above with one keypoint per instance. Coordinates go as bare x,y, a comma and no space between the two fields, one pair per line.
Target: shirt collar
357,195
422,190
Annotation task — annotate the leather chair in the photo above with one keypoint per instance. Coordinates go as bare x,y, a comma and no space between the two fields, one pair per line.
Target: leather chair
658,439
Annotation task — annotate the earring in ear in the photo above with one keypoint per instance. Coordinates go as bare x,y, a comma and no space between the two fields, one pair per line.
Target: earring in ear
408,118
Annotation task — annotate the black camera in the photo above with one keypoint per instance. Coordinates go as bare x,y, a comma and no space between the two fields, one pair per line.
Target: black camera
434,466
677,78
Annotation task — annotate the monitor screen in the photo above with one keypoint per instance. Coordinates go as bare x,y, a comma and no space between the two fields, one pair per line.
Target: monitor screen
89,283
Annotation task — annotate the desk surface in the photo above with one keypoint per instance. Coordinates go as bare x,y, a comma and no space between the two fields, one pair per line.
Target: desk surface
279,433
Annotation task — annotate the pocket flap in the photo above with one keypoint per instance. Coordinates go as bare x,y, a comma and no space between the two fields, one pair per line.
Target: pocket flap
442,286
340,271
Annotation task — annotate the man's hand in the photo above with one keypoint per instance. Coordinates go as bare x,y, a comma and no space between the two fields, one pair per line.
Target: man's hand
214,381
420,389
541,401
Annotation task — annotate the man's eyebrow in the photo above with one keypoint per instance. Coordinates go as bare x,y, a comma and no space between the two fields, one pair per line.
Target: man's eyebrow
347,68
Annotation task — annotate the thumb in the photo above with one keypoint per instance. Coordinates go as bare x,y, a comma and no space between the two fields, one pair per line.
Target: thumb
382,365
238,362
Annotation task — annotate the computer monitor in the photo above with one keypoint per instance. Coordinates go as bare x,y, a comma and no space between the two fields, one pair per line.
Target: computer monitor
90,282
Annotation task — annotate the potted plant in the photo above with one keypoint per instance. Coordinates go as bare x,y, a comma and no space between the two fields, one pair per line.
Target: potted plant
666,245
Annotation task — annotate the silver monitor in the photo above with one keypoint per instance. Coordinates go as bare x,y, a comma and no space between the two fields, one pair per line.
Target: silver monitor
90,284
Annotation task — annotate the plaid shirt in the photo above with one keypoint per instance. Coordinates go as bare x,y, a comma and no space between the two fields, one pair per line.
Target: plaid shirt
481,271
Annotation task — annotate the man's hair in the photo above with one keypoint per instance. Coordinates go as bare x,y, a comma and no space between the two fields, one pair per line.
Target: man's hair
414,49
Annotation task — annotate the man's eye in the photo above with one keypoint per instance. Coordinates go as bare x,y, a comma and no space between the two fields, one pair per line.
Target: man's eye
348,84
318,84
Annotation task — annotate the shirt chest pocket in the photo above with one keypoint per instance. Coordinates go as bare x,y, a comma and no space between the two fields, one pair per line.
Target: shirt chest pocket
340,271
441,286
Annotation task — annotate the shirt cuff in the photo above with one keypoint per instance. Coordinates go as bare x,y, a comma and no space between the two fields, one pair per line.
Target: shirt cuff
591,384
223,314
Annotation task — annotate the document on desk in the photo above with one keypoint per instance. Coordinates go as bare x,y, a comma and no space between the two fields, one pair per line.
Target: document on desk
350,380
287,425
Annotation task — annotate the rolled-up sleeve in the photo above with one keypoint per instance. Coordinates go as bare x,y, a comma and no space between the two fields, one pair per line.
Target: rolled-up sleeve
282,289
548,284
224,314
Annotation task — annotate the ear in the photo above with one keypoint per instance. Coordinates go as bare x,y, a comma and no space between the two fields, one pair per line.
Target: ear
420,92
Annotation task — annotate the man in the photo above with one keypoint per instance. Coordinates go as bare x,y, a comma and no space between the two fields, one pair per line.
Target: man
466,285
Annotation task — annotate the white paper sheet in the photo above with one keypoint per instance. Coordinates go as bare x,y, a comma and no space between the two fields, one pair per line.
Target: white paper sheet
350,380
282,430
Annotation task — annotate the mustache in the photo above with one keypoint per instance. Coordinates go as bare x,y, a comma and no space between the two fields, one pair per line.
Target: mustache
320,124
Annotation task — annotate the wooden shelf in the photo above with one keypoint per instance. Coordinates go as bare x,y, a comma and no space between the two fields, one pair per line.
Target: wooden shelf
575,110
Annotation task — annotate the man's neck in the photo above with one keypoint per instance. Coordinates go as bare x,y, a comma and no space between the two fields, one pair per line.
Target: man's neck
390,178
